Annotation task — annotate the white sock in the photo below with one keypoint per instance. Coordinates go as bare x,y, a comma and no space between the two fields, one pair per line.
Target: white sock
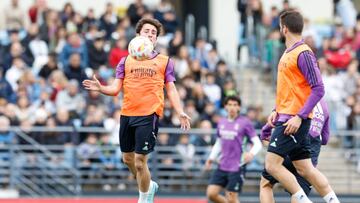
331,198
144,195
301,197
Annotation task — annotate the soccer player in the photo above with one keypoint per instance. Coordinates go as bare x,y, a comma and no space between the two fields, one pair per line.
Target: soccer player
143,85
319,135
230,131
299,89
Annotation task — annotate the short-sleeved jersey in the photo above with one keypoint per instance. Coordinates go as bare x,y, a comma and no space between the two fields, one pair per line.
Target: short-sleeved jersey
232,134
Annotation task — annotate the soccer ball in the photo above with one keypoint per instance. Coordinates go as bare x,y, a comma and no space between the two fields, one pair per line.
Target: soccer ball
140,48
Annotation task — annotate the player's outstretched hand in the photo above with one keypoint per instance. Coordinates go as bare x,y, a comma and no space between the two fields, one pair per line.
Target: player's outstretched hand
184,121
93,84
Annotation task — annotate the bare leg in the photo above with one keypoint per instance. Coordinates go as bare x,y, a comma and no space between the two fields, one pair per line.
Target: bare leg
213,194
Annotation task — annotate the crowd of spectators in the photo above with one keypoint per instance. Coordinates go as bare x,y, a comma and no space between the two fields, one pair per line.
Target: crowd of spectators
46,53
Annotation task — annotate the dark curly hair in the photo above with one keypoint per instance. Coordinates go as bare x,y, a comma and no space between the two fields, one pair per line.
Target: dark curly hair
150,21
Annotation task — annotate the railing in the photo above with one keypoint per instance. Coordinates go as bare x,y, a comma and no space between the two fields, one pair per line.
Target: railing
39,170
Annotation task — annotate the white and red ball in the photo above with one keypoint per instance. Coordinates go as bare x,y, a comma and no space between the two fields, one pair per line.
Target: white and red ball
140,48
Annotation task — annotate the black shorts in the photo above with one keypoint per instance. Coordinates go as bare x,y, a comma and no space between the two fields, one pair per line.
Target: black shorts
305,185
296,146
138,133
232,181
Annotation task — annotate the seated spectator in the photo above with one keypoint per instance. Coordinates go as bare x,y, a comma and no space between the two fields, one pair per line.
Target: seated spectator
117,52
176,43
74,44
206,139
182,62
6,91
62,118
187,153
17,51
88,153
97,54
70,99
58,82
108,20
74,70
49,67
136,11
24,110
212,90
165,13
200,98
338,57
222,73
212,60
31,84
15,72
37,47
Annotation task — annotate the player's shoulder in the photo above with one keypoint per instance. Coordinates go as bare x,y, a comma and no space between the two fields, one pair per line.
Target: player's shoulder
162,56
244,120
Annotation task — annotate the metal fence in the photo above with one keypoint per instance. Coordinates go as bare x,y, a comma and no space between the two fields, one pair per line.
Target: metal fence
38,170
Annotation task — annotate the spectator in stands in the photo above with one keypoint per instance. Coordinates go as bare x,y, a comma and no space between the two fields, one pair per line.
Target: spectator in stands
136,11
70,99
90,20
17,51
182,62
109,157
67,13
74,45
49,28
14,16
62,118
44,102
37,12
58,82
37,47
190,109
222,73
117,52
212,60
10,113
338,57
88,153
74,69
166,15
29,82
97,55
212,90
206,139
6,91
108,20
24,110
15,72
176,43
199,97
49,67
187,153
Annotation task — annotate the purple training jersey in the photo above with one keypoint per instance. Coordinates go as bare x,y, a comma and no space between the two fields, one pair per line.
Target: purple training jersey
232,134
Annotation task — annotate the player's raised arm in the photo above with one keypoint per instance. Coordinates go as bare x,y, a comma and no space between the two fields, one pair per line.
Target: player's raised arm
95,85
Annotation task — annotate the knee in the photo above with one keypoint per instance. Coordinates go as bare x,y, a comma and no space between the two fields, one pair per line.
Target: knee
139,164
231,197
211,195
305,171
271,167
128,160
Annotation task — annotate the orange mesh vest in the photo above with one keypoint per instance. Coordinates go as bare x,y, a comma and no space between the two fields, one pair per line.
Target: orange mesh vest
143,86
292,88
